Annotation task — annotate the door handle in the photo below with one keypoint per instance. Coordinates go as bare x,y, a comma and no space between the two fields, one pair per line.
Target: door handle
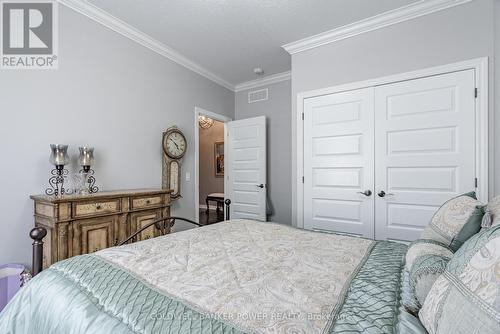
367,192
260,186
383,194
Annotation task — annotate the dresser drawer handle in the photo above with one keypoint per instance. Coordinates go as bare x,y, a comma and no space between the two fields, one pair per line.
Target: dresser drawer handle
148,201
98,207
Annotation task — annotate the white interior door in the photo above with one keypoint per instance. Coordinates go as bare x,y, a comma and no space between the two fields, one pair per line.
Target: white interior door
246,168
338,163
425,150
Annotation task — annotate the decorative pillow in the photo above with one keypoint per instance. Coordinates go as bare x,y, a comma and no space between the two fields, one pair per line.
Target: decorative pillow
492,213
422,247
455,221
465,299
408,298
424,272
425,261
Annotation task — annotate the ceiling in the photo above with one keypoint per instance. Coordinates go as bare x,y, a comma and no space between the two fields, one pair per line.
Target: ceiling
231,37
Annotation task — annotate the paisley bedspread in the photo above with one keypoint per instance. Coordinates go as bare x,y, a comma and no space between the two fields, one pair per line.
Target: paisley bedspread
238,276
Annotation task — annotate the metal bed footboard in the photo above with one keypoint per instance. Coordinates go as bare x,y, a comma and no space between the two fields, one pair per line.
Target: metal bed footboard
163,225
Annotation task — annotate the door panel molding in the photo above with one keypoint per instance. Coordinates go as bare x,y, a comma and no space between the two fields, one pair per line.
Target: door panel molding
480,67
339,163
428,168
246,174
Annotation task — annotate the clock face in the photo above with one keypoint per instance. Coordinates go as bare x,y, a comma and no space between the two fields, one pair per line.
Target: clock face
174,144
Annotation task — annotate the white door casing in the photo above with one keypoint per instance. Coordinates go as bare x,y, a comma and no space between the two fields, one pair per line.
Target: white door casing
338,162
246,168
425,150
218,117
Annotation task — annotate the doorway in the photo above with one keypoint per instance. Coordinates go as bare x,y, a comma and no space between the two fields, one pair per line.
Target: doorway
210,132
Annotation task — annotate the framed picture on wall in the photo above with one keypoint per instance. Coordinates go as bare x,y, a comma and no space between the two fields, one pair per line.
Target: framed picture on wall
219,159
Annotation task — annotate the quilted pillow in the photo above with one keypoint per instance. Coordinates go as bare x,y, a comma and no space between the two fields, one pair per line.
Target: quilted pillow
424,272
425,261
455,221
465,299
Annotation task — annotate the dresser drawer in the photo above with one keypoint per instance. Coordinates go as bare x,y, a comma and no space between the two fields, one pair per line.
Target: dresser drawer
96,208
146,202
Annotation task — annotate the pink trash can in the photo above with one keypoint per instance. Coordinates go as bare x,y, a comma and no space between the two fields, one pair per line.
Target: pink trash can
10,282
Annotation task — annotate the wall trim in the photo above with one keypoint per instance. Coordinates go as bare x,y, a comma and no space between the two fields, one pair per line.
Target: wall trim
480,65
100,16
218,117
267,80
388,18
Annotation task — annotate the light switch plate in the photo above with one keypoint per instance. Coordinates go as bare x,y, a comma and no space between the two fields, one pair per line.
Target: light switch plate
188,176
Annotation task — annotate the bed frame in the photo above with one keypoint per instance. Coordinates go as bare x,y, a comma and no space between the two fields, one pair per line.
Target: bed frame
163,225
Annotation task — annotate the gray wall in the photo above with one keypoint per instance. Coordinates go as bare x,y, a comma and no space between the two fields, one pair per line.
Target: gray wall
208,182
457,34
278,117
108,92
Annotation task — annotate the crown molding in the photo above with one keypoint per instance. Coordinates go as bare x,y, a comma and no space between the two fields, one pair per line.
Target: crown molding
267,80
409,12
100,16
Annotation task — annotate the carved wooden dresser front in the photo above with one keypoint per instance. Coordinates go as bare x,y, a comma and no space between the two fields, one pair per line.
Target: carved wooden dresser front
81,224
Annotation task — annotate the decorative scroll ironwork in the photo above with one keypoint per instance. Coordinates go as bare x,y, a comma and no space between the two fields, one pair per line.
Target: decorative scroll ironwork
56,182
163,225
89,179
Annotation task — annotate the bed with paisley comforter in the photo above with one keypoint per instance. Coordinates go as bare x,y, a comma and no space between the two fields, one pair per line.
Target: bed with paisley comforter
238,276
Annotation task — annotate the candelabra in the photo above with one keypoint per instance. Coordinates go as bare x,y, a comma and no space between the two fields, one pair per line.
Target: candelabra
86,159
59,158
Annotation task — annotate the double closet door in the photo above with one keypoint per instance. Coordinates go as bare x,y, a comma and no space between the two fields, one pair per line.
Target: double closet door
379,161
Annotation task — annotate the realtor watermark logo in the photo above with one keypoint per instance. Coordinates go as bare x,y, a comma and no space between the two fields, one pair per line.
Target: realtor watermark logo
29,34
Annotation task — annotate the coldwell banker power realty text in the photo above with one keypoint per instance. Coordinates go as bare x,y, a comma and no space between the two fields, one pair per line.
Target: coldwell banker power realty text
29,34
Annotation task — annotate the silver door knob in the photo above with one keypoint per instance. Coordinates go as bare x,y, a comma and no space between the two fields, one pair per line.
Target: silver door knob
367,192
260,186
383,194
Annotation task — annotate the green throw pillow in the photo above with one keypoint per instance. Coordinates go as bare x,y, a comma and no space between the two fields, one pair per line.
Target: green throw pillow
465,299
425,260
455,221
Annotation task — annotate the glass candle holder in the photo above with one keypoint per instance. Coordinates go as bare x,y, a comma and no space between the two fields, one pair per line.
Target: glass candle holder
59,155
86,158
59,158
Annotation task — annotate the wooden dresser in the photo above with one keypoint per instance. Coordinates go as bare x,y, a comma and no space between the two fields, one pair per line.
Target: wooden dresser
81,224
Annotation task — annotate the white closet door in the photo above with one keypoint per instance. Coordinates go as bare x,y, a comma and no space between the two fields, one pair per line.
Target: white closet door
338,162
425,150
246,168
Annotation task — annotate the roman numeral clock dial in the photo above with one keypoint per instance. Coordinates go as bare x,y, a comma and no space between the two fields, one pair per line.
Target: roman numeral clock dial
174,148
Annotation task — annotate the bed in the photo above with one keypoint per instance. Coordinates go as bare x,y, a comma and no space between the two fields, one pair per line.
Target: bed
238,276
243,276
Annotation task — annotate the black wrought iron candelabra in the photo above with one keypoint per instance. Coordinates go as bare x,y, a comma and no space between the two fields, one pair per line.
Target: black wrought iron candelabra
89,179
56,181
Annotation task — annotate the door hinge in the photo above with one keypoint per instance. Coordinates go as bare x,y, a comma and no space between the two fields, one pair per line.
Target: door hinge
475,93
302,179
302,116
475,182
